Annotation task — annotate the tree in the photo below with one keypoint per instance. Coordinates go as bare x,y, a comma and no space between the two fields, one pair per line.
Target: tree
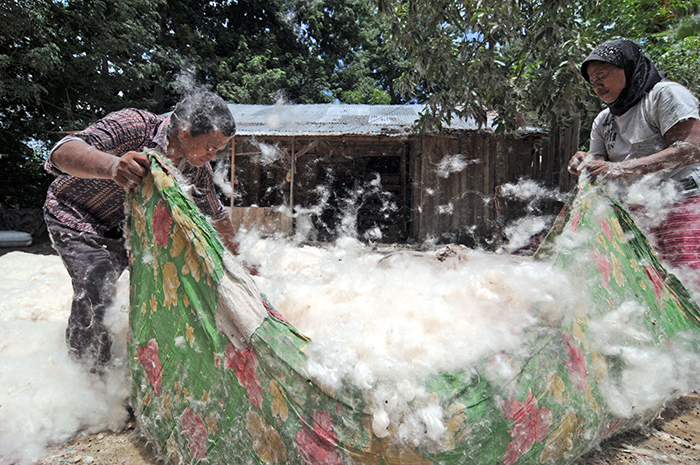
519,59
351,39
300,51
61,65
28,52
66,63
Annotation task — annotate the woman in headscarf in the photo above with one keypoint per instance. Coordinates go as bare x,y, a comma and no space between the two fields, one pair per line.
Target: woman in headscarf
650,125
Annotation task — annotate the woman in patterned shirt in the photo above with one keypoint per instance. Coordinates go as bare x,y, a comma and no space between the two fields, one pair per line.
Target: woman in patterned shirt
84,208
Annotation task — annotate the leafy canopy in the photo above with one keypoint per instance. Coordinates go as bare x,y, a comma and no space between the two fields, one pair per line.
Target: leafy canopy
66,63
521,58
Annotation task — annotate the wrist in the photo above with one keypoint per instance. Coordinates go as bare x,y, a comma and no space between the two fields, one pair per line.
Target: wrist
638,167
112,167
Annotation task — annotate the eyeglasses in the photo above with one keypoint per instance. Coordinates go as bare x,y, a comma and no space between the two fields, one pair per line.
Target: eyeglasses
598,78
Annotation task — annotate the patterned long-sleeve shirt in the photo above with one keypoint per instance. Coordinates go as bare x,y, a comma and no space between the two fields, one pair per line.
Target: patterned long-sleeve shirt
97,205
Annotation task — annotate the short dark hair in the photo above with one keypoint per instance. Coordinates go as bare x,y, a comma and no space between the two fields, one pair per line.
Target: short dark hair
203,112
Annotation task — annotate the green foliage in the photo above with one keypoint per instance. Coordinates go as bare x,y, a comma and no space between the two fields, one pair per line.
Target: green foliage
677,50
688,27
481,56
254,81
521,59
65,63
374,97
298,51
679,59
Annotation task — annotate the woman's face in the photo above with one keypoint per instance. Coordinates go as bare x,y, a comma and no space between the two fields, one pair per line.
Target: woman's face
607,80
198,150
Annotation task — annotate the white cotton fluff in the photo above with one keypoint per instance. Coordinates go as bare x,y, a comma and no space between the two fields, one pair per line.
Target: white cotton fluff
520,232
362,376
45,398
651,375
431,416
34,287
383,324
610,332
453,163
648,381
379,326
655,196
406,318
529,190
380,423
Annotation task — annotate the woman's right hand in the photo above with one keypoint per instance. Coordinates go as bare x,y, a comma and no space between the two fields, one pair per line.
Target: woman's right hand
130,169
577,162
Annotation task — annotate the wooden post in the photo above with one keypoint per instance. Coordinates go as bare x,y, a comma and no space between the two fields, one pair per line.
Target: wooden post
292,163
233,168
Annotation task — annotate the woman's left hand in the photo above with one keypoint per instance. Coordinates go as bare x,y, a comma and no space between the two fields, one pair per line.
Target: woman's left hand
604,169
595,166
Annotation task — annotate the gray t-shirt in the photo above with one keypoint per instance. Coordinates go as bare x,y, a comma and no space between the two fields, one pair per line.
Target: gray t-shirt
640,131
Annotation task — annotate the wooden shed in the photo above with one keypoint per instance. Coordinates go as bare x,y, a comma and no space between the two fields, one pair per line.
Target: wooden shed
366,169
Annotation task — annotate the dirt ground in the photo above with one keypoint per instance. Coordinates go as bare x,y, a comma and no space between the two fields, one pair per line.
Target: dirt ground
673,438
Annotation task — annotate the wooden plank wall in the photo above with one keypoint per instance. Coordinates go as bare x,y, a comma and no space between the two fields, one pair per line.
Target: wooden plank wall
451,208
445,205
463,205
266,219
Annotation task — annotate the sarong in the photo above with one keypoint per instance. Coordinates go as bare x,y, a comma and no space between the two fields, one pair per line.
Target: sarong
218,375
678,236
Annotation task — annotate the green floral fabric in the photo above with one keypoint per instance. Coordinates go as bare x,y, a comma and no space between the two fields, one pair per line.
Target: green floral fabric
199,399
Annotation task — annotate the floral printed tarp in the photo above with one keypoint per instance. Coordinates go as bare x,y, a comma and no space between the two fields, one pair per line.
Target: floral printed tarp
243,397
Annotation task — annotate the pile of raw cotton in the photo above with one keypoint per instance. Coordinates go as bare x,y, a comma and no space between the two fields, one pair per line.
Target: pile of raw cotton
386,320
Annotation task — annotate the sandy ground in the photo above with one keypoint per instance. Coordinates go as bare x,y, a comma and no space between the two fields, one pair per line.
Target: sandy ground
673,438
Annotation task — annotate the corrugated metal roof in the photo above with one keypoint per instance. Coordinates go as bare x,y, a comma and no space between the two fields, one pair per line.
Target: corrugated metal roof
332,119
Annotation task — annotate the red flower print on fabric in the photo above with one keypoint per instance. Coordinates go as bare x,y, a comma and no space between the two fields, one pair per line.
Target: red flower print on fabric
244,363
150,361
602,264
271,310
657,280
532,423
319,446
614,425
605,226
196,431
576,363
161,222
574,220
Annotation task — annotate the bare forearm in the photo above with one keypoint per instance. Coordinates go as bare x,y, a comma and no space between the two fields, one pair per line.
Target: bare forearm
674,157
77,158
684,150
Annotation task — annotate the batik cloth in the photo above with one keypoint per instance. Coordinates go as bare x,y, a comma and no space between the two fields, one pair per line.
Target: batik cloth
202,397
97,205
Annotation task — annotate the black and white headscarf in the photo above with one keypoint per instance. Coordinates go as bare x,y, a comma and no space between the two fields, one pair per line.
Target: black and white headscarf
640,72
